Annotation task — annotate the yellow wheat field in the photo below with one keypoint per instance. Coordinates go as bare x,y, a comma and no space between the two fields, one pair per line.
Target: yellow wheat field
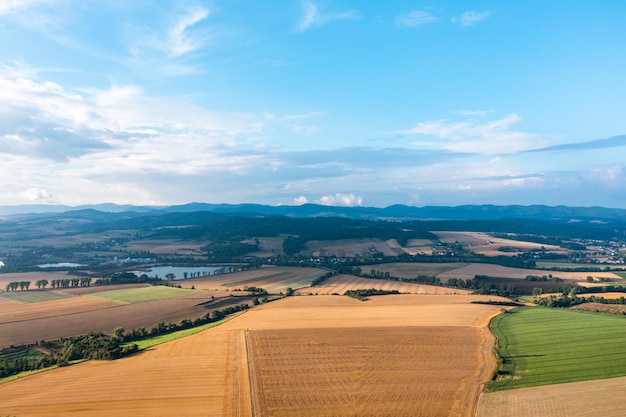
399,355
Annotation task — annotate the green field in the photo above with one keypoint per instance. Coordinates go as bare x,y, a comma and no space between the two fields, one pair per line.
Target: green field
577,266
33,296
138,295
542,346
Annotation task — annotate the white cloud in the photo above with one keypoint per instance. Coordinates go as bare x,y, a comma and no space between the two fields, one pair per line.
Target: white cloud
183,35
36,194
42,120
11,6
302,116
608,175
313,17
478,135
471,18
179,41
300,200
415,18
344,200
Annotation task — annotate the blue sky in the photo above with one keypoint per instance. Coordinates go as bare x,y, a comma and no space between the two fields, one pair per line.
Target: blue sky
329,102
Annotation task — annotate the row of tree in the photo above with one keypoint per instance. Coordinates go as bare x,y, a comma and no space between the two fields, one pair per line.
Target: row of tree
363,294
14,285
61,352
55,283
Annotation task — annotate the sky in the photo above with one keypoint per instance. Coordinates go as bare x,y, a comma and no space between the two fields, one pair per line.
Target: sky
345,103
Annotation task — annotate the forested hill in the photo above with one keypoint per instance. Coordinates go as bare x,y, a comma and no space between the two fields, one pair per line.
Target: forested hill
394,212
314,222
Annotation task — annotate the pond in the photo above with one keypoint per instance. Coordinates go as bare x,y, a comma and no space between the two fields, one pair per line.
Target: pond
179,271
61,265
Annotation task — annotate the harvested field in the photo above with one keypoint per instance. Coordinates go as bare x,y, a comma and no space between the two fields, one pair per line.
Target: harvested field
414,269
339,284
311,312
167,246
81,315
604,308
605,295
598,398
483,243
272,279
470,270
212,380
367,371
23,312
418,246
349,248
315,333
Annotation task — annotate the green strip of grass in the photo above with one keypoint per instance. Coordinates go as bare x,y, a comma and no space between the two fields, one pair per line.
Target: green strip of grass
137,295
148,342
542,346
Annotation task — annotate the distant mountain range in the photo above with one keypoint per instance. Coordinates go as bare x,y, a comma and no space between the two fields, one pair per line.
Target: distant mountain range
394,212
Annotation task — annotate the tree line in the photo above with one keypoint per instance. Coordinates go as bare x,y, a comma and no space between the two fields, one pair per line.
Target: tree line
363,294
55,283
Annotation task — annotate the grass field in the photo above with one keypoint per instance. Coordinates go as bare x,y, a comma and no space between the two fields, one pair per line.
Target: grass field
33,296
542,346
138,295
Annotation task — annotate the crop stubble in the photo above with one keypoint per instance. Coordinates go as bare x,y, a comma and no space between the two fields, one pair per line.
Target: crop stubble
392,354
402,371
339,284
595,398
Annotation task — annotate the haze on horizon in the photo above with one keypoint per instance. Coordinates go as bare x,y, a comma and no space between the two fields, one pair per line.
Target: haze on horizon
328,102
